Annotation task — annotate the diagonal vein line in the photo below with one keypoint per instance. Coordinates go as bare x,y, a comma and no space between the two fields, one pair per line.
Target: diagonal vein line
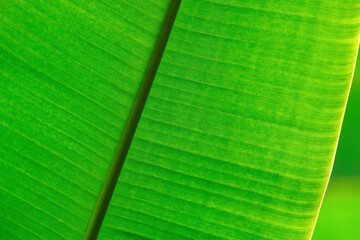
108,188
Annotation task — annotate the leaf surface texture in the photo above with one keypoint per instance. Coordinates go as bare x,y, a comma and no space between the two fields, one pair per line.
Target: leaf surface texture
239,132
237,137
70,73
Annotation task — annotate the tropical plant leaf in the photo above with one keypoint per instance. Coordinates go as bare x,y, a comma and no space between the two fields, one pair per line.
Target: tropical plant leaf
237,137
338,217
70,74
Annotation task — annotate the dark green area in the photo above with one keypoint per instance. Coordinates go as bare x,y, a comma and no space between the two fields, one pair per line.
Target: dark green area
131,125
347,160
67,88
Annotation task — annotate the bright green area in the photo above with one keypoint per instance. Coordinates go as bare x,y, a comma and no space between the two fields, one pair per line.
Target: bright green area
339,216
69,74
238,135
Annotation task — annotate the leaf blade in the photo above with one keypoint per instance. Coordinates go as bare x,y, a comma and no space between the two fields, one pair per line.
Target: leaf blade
239,132
71,71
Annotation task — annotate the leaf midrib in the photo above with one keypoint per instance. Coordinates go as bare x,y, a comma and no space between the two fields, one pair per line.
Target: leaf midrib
117,163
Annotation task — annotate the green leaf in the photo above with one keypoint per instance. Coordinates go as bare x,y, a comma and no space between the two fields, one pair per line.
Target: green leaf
70,74
338,218
237,137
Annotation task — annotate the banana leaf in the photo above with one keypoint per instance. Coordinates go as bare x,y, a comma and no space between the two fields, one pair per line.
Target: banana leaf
236,139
